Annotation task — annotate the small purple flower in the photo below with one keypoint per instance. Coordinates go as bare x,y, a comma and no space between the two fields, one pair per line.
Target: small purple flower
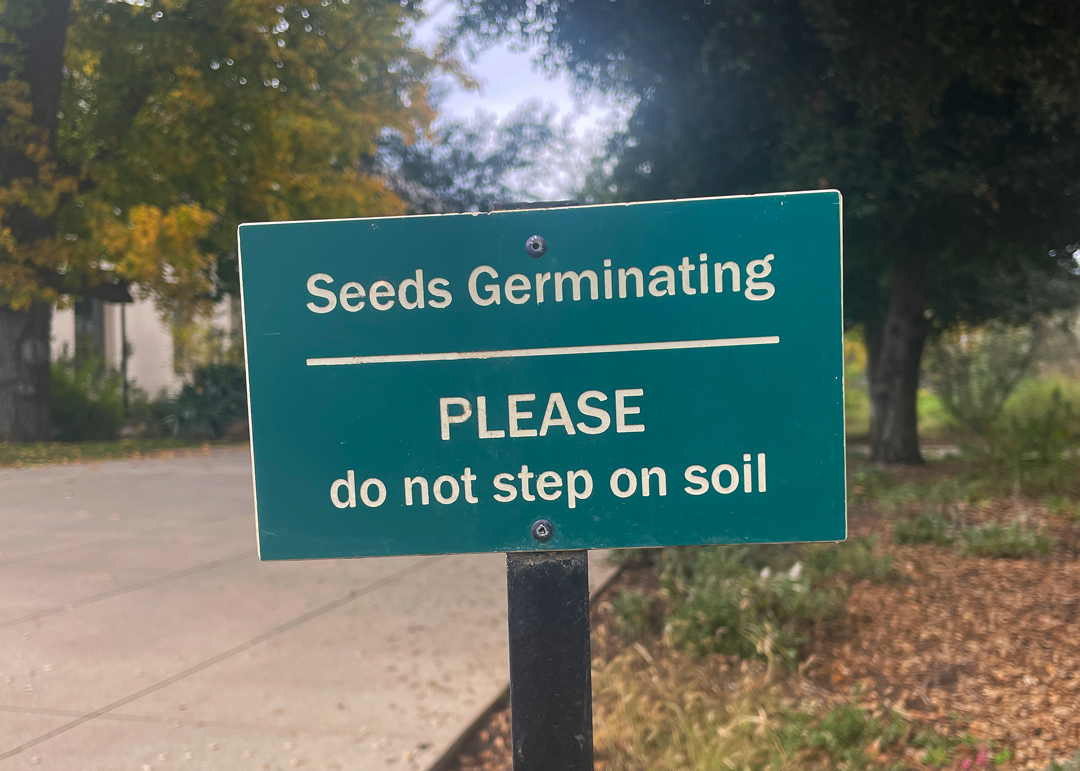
983,757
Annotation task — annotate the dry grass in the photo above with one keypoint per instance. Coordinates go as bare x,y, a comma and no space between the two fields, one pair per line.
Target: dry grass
667,710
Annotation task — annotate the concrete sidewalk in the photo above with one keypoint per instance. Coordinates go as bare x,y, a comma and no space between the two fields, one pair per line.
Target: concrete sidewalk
138,630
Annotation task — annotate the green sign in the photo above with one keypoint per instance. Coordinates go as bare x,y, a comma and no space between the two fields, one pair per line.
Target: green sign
633,375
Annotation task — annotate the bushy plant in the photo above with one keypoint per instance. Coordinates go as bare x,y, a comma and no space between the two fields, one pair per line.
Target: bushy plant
870,483
214,400
939,497
842,736
146,417
903,497
1062,506
855,558
1035,394
1039,434
630,608
759,601
951,491
87,400
1016,541
1033,444
975,370
925,528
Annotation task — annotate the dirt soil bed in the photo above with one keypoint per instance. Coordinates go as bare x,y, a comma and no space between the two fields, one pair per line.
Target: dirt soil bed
990,647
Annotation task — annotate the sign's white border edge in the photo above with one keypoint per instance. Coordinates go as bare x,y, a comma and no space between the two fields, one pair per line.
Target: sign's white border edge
843,374
247,387
580,207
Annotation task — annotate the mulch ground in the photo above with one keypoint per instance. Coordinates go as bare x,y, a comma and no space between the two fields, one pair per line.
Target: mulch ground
989,647
986,646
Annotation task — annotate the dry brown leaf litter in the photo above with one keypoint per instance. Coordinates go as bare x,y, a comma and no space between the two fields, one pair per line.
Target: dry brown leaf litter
987,646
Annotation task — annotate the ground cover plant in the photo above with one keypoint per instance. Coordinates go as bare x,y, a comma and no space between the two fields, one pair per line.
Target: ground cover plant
1014,541
754,600
924,528
31,454
908,647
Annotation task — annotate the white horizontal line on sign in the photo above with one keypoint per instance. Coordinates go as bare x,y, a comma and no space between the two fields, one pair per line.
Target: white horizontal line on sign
515,353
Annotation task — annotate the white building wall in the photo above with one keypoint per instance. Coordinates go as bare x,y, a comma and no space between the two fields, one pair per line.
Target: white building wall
150,341
63,333
150,364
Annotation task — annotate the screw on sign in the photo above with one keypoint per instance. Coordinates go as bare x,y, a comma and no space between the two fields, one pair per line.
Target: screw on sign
536,246
542,530
657,374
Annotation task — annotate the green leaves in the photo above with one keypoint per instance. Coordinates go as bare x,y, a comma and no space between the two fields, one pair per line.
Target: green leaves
757,601
181,119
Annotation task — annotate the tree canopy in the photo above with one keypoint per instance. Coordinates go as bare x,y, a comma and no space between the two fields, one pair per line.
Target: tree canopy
136,135
950,127
471,165
178,120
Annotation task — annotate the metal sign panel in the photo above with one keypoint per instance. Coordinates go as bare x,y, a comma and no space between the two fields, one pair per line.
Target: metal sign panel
598,376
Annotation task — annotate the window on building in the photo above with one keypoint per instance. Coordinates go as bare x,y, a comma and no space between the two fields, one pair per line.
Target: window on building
89,329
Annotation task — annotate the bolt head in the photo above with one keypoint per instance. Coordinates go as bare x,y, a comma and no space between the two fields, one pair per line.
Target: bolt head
535,246
542,530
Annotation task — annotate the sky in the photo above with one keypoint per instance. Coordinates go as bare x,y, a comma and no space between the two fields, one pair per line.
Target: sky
508,79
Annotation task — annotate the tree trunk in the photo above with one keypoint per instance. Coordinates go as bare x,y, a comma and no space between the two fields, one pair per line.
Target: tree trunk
894,353
25,334
24,373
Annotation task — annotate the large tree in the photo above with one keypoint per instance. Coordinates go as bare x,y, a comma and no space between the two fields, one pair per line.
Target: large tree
136,136
472,165
950,126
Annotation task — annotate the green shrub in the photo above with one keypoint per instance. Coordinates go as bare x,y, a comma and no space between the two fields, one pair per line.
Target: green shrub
1034,395
843,736
951,491
925,528
854,558
1013,542
630,608
902,497
937,748
759,601
727,599
974,371
1038,434
214,400
148,418
87,401
1033,445
1062,506
870,483
939,497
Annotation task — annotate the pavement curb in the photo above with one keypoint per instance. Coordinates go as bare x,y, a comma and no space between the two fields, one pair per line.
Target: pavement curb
502,701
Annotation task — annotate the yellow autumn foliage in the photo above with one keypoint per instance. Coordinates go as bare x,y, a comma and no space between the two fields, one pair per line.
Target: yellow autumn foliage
181,119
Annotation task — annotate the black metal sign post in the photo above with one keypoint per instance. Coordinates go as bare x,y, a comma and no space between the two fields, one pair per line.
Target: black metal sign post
550,660
550,651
